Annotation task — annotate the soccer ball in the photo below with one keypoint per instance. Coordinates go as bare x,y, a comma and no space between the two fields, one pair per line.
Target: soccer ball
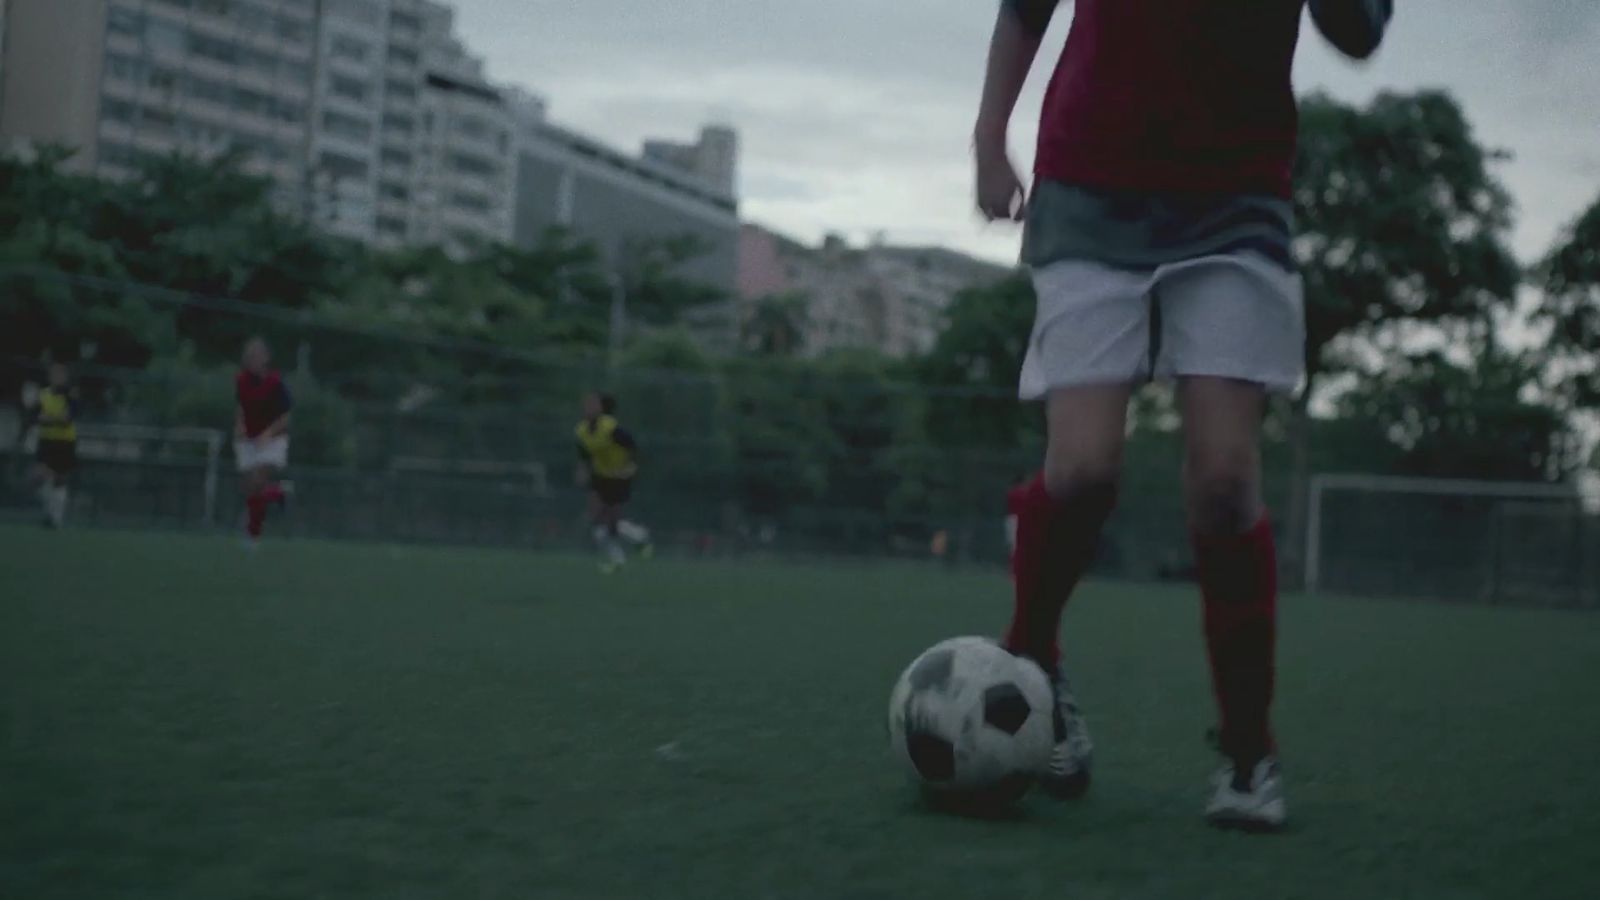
972,722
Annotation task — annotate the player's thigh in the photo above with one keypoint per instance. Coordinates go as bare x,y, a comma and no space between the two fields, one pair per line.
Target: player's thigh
1237,316
1087,431
1222,450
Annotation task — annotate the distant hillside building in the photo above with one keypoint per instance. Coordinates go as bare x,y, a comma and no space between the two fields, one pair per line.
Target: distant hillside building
881,297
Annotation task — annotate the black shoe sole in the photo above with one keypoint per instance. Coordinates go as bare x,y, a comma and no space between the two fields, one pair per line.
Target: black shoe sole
1072,787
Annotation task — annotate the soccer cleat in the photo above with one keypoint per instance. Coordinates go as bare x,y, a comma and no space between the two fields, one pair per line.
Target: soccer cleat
1067,775
1248,798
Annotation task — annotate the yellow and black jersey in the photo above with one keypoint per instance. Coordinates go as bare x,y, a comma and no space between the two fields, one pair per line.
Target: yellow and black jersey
607,448
54,417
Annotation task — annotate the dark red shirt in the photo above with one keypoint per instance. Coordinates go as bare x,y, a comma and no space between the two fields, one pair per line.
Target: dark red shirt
1174,95
263,399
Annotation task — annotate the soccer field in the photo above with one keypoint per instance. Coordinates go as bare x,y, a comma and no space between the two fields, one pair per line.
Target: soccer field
183,720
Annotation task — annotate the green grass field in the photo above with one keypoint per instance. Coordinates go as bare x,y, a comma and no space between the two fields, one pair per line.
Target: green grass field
181,720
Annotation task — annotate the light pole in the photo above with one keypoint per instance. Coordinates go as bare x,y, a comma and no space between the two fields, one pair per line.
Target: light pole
619,317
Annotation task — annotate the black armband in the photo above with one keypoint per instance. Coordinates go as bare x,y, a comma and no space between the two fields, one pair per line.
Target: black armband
1034,15
1354,27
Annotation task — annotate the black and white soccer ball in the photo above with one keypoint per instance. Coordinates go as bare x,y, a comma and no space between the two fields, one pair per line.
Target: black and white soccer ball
970,720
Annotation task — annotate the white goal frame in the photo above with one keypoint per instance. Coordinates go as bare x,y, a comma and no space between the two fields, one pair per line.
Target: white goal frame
1439,487
112,442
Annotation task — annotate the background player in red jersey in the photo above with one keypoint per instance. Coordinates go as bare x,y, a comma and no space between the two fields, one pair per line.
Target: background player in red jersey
1158,234
260,434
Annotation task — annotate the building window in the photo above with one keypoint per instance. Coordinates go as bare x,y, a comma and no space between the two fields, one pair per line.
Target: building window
214,7
399,90
175,4
393,157
204,89
124,22
159,121
350,49
342,167
124,68
350,89
393,190
391,226
163,79
408,23
398,123
363,11
347,127
213,49
468,164
403,55
161,36
292,31
116,111
476,203
249,101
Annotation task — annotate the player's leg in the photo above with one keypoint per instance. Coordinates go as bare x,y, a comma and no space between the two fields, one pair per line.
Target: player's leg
1059,514
1232,331
628,530
1237,563
251,484
59,472
1090,345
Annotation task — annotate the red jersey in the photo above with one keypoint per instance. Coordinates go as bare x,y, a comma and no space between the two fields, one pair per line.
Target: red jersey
1174,95
263,399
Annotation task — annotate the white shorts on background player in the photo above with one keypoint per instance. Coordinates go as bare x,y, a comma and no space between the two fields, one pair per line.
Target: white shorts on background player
1235,315
272,453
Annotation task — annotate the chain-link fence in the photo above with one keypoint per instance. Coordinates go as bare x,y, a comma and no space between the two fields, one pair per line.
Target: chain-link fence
433,437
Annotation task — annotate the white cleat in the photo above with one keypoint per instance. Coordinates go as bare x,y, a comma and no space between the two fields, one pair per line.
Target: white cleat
1067,775
1249,801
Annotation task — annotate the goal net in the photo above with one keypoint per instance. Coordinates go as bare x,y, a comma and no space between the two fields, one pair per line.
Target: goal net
138,474
1470,541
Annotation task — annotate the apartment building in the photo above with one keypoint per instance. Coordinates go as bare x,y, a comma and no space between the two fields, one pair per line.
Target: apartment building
624,202
348,105
882,297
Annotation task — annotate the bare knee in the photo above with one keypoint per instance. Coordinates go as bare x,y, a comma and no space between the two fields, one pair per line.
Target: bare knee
1224,499
1086,488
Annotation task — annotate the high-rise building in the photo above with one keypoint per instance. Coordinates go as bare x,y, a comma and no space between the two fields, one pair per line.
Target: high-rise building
623,203
367,114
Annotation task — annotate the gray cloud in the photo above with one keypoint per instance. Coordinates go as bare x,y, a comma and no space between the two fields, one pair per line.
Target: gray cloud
855,113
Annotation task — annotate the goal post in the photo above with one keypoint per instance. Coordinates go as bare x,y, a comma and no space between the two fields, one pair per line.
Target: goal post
153,445
1454,539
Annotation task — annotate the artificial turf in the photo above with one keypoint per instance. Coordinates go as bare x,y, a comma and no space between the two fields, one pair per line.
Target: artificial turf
181,719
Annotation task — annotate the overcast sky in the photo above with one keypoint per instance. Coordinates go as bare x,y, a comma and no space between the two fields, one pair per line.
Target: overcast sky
855,115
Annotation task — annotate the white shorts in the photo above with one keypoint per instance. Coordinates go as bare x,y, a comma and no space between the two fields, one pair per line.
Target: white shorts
272,453
1233,316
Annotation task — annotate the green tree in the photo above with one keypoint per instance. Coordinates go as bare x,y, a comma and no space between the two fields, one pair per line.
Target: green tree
1402,222
972,369
1453,420
1570,278
776,325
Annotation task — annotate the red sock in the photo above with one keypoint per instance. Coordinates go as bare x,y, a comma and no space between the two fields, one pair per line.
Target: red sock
271,492
1055,544
1239,589
256,504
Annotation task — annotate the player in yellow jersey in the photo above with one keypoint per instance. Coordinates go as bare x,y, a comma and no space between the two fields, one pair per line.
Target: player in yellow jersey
57,454
608,463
